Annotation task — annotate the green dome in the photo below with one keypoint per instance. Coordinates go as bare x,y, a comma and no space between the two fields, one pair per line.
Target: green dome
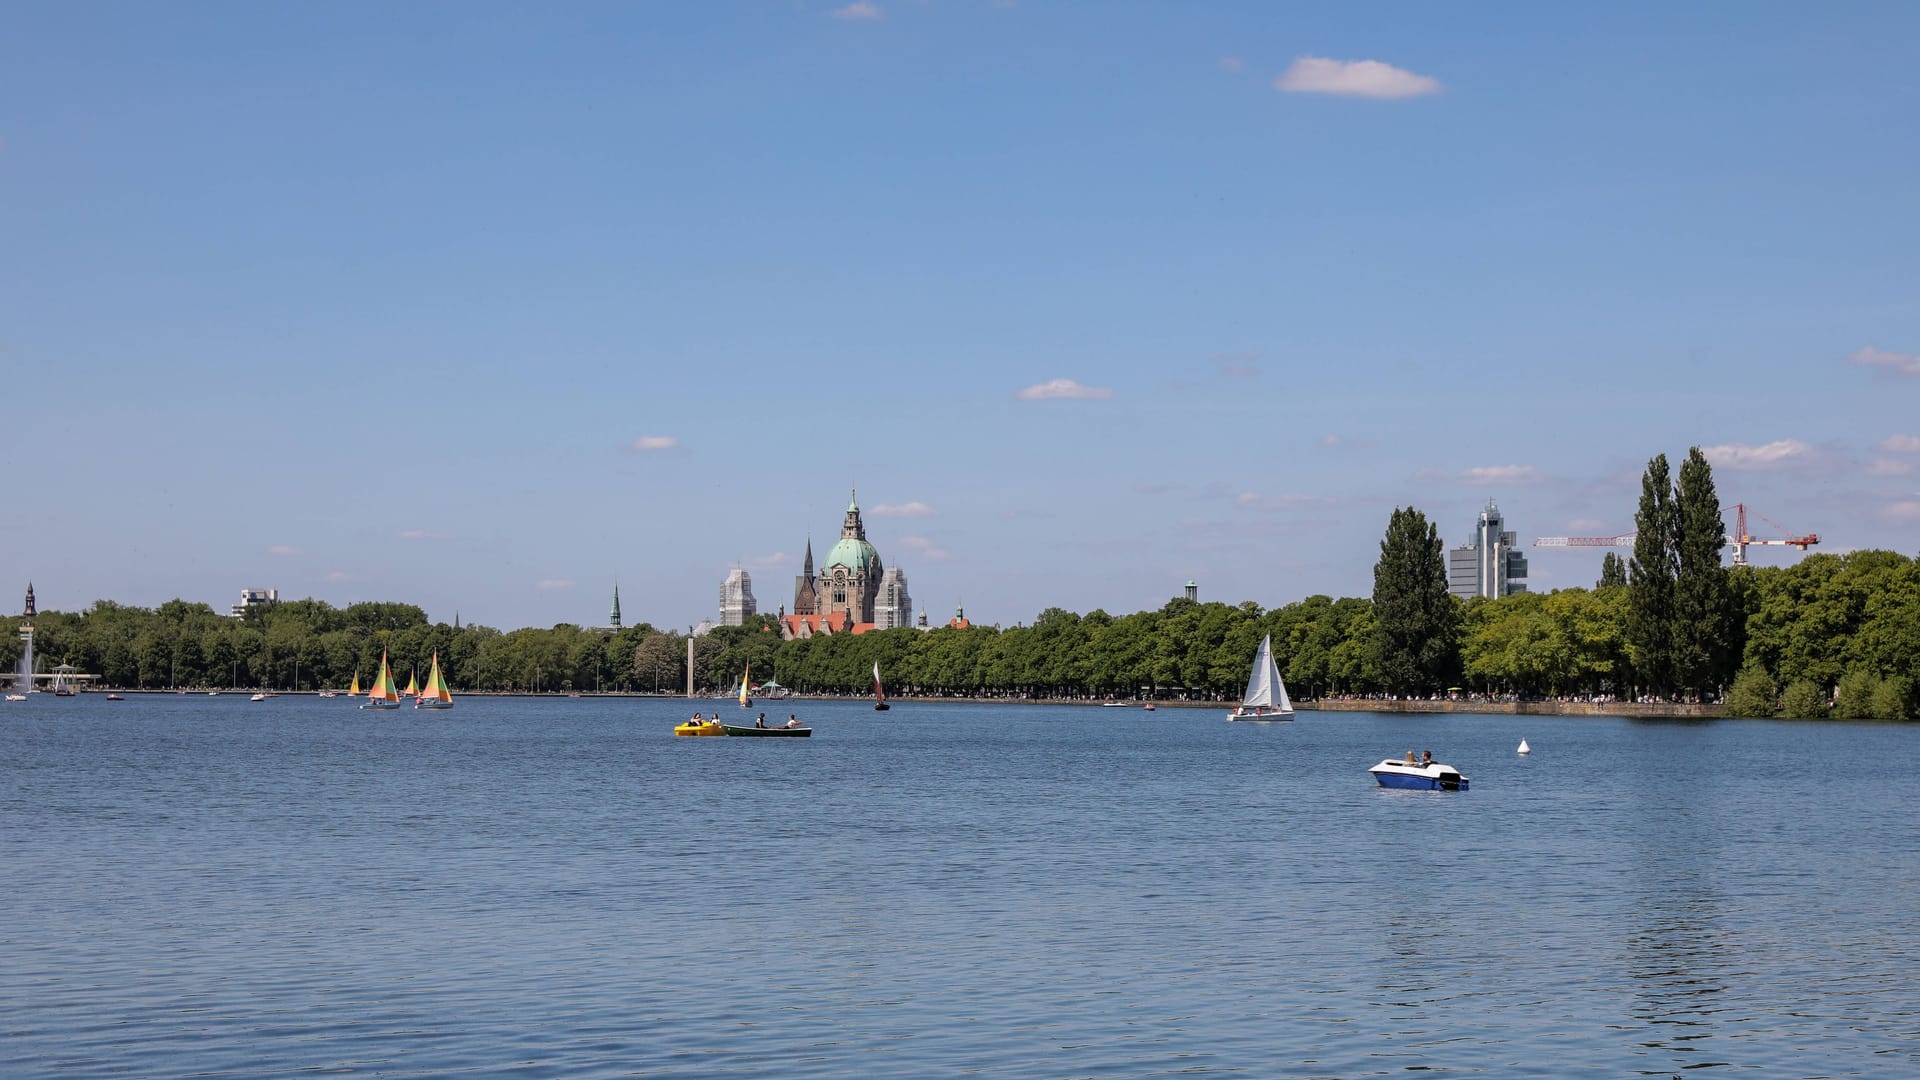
855,555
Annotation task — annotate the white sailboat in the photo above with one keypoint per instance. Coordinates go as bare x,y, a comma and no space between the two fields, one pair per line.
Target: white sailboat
1266,697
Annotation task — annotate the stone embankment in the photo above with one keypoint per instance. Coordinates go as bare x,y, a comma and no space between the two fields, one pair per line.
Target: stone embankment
1650,710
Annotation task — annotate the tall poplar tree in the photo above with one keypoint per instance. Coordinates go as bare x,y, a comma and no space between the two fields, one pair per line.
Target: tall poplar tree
1613,572
1703,632
1416,621
1650,587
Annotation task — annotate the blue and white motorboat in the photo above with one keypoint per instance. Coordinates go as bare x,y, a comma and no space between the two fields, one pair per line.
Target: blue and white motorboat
1433,777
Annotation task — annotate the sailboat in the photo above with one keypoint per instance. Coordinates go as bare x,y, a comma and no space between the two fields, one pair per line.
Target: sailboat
1266,697
382,696
354,690
745,701
435,696
413,684
879,695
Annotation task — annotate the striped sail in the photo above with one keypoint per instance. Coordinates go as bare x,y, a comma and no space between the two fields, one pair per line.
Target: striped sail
383,685
436,688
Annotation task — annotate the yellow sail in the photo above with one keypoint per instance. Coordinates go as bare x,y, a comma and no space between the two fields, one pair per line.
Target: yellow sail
436,688
744,699
413,685
383,685
354,690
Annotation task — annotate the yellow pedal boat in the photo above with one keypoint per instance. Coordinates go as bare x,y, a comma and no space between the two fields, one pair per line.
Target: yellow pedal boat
700,727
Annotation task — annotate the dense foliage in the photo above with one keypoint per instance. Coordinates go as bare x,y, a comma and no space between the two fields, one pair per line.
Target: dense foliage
1416,621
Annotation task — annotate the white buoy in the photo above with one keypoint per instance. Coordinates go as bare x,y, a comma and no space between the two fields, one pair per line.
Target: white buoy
1524,748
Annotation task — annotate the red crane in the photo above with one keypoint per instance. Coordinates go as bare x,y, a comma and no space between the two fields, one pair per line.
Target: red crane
1738,539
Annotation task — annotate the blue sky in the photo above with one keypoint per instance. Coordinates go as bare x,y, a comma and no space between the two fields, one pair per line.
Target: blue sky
480,306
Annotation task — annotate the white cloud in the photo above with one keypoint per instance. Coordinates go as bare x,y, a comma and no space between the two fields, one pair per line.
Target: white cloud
1903,511
422,534
925,549
1482,475
904,510
1904,363
1064,388
1889,467
1231,63
547,584
858,10
283,549
655,442
1771,455
1901,444
771,562
339,576
1353,78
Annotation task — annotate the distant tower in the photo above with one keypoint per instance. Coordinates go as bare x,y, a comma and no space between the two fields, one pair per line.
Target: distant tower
29,612
456,618
1491,566
613,617
805,597
736,599
1193,591
894,607
23,682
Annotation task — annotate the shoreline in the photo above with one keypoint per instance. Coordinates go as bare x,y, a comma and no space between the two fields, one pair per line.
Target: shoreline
1640,710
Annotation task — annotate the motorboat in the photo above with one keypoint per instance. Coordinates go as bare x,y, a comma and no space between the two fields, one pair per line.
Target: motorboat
767,732
259,697
116,697
1430,777
1115,705
1148,706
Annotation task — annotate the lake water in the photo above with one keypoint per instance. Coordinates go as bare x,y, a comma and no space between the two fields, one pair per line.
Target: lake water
560,887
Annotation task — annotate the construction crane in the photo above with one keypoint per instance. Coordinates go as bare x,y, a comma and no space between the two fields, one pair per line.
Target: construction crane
1738,539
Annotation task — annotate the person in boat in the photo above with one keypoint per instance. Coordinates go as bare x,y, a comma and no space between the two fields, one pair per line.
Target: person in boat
792,721
1409,757
1426,758
761,722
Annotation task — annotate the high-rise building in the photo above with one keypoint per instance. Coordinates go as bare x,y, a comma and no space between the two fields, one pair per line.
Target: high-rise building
254,598
1493,565
736,599
893,608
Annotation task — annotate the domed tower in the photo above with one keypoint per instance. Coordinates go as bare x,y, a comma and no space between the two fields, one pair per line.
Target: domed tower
850,579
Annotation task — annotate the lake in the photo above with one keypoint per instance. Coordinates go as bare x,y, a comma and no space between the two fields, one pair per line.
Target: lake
218,887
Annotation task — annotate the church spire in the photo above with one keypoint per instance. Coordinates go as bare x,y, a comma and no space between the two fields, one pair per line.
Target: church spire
29,613
807,569
614,616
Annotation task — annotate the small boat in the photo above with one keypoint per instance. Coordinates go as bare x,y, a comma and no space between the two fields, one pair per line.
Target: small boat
1148,706
116,697
61,688
16,697
259,697
745,701
413,684
697,726
213,693
1266,696
1113,705
435,695
1404,774
329,693
1524,748
879,695
354,690
766,732
382,695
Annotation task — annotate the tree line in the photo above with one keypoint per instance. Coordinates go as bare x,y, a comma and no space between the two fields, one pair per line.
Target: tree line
1830,634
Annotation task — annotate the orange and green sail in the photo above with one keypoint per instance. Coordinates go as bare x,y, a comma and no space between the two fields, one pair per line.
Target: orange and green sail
436,688
383,685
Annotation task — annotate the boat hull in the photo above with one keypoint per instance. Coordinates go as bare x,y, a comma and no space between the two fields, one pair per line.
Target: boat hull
382,705
699,729
1392,774
767,733
1268,716
433,704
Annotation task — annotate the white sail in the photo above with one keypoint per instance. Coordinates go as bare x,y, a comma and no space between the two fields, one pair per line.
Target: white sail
1260,684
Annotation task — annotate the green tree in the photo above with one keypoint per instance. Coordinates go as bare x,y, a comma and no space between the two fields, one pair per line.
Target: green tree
1803,701
1754,694
1613,572
1890,699
1703,632
1416,632
1650,585
1853,697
